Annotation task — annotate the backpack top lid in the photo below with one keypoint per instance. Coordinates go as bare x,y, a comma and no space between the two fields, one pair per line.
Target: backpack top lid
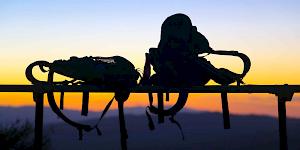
176,27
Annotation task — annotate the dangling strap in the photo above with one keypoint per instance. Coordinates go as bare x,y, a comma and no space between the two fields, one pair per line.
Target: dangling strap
98,131
167,96
147,71
102,115
80,127
150,99
80,134
160,107
85,103
182,98
61,102
172,119
96,125
150,121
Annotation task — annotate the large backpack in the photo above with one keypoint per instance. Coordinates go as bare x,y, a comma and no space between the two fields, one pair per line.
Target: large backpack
177,65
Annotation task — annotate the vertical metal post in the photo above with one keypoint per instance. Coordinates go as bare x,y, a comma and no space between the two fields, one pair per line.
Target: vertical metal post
226,117
123,130
121,96
282,123
38,128
160,107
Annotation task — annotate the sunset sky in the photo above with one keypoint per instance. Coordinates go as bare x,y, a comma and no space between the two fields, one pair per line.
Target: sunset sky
267,31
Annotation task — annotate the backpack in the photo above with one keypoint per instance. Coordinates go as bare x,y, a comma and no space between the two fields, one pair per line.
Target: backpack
112,73
177,65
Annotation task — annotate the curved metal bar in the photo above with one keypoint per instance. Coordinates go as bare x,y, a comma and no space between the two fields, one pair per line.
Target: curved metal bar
245,59
29,69
40,64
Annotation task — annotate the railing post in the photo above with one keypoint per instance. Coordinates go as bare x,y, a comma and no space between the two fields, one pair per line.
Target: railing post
38,128
121,97
225,108
282,123
123,130
284,94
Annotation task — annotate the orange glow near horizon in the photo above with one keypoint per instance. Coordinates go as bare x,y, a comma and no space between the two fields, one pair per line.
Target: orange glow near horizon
269,35
259,104
242,104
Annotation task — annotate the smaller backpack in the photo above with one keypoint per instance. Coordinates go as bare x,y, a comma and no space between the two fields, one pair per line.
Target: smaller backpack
115,73
102,71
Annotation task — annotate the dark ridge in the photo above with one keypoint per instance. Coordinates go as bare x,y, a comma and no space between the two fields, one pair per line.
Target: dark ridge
202,131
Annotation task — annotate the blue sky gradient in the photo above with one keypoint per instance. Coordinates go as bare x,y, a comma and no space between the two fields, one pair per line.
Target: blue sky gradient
48,30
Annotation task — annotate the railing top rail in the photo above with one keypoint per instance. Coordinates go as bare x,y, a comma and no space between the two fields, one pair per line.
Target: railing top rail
272,89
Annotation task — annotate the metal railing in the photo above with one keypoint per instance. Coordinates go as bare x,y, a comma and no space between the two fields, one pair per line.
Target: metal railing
284,93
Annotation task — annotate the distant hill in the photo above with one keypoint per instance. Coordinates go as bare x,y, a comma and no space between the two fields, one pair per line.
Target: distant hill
202,131
10,114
